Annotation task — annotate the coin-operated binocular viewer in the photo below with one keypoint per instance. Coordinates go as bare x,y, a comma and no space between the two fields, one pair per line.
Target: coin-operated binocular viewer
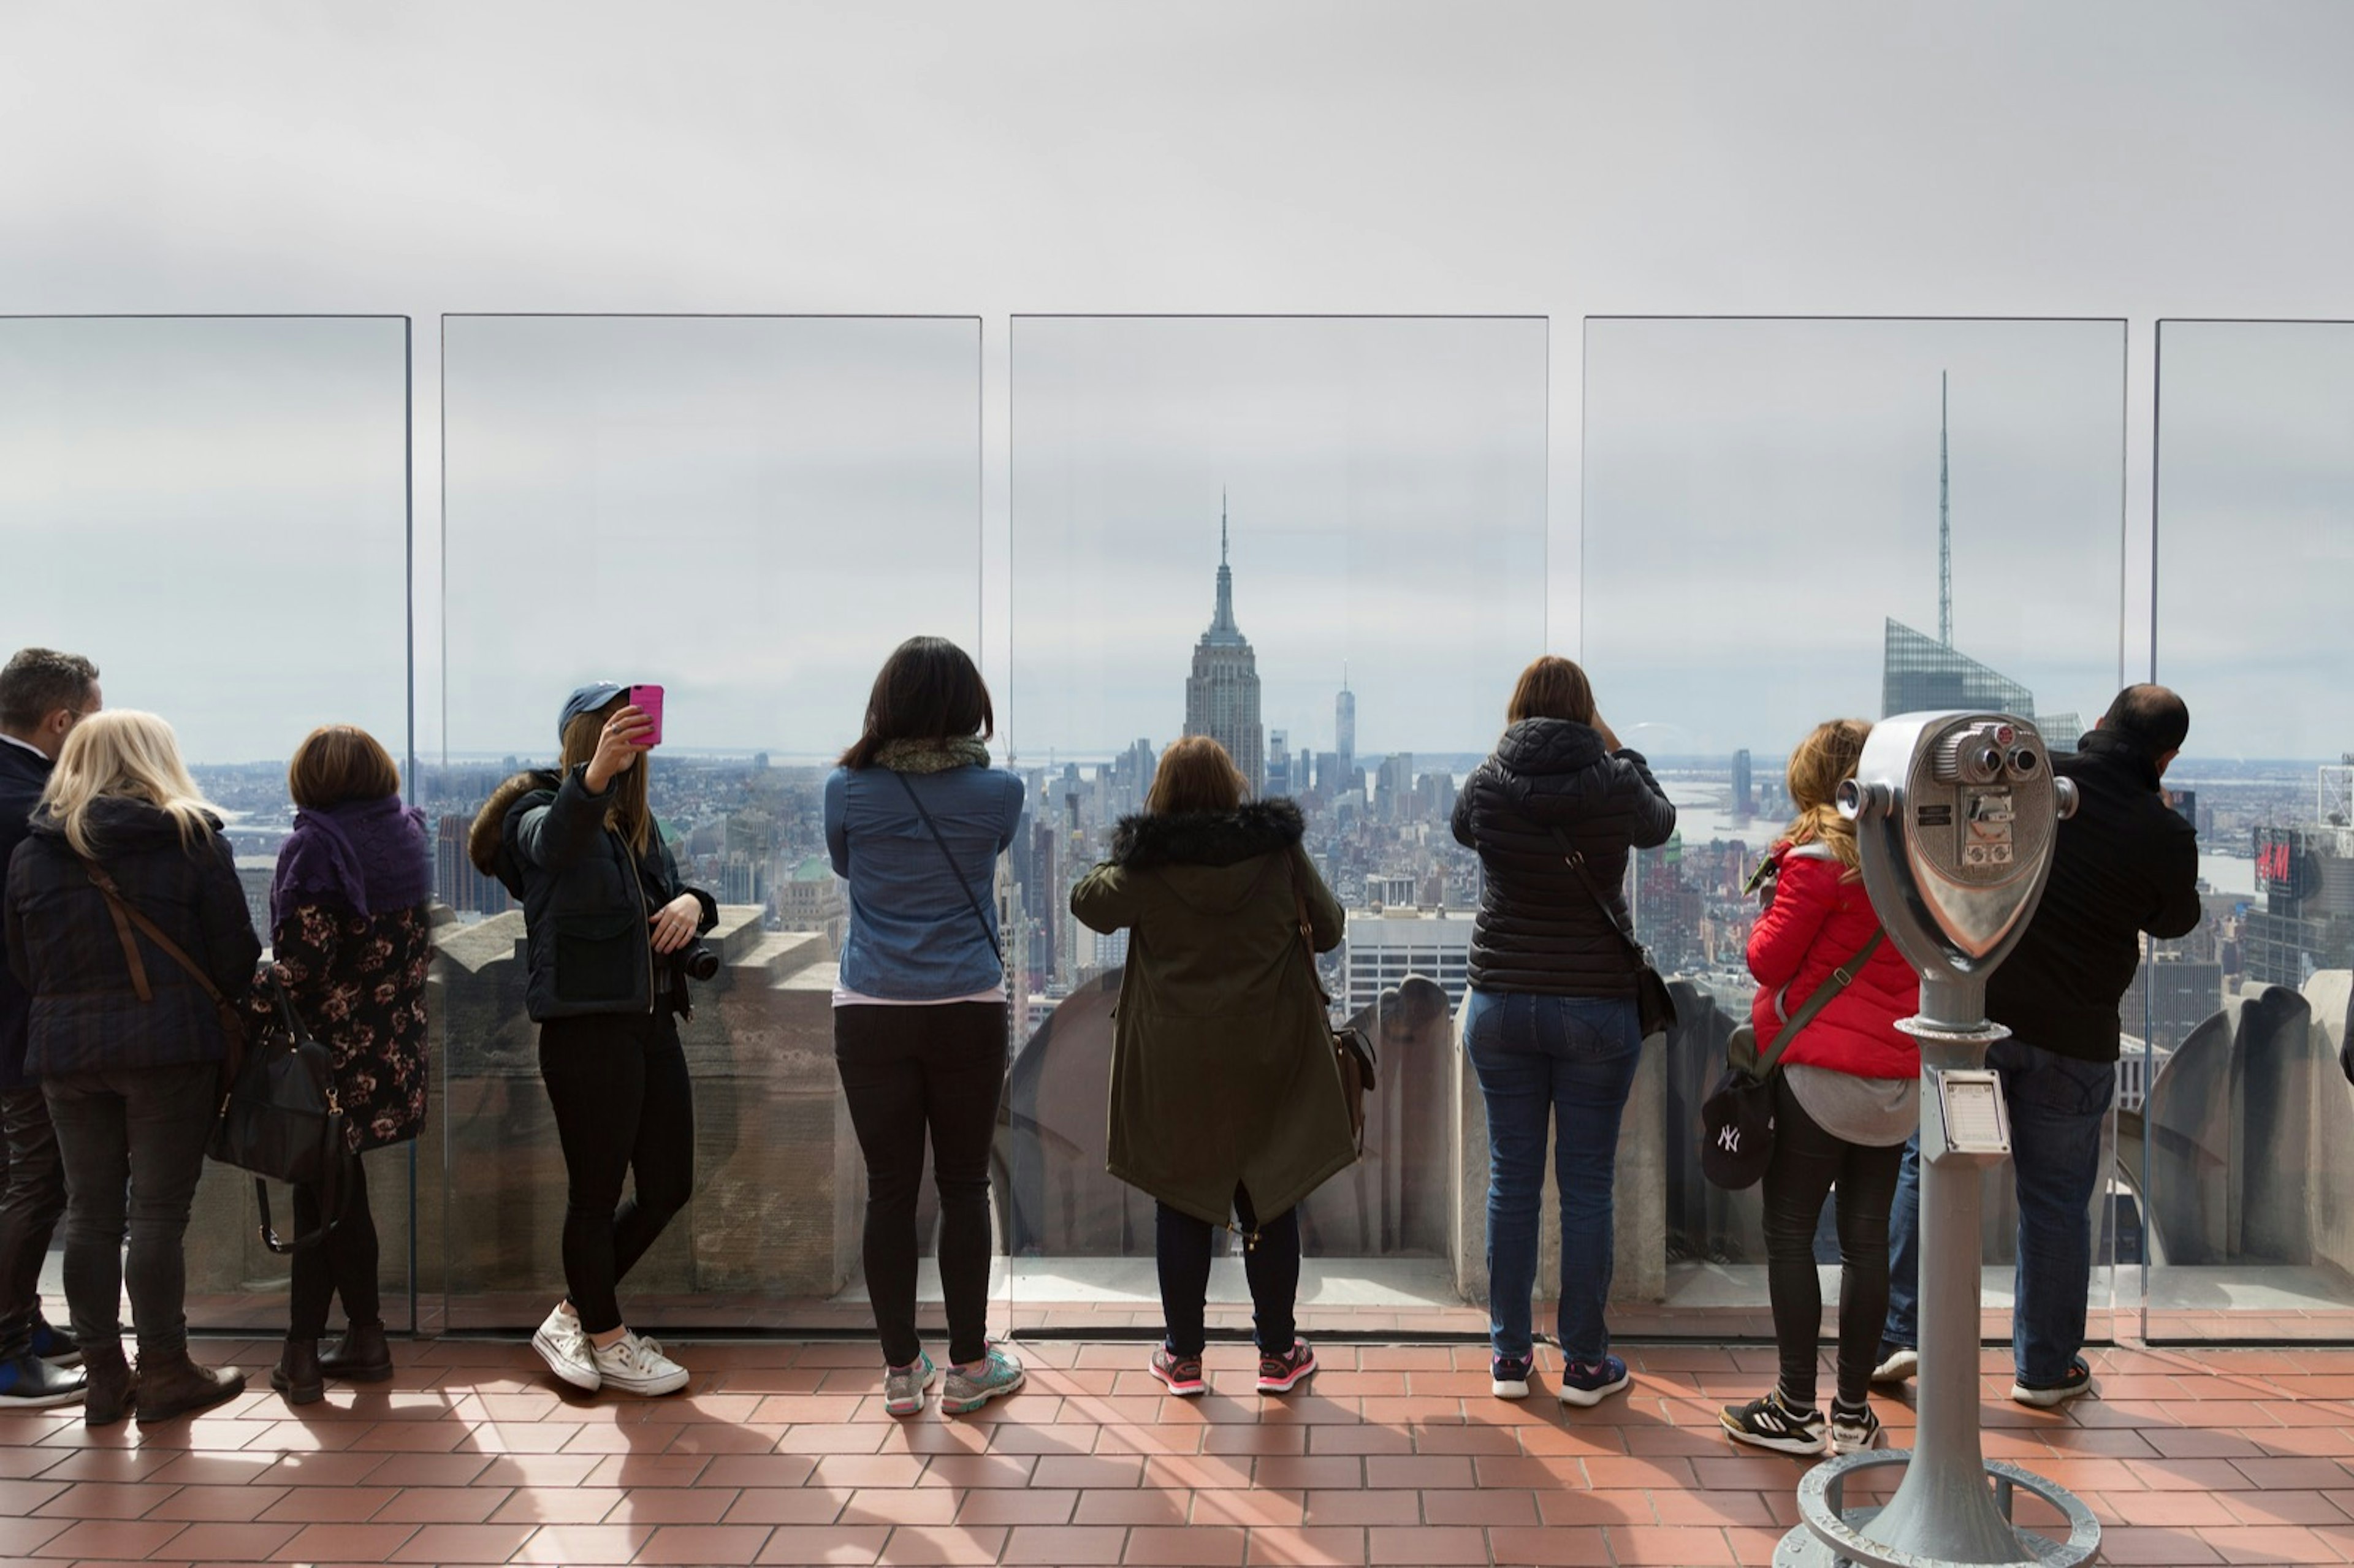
1956,815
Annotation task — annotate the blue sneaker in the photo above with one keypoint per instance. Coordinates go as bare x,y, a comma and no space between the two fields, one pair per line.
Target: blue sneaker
29,1382
1591,1383
54,1345
1508,1376
969,1388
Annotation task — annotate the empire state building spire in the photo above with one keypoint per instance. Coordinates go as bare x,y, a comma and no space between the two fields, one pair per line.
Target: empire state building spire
1221,696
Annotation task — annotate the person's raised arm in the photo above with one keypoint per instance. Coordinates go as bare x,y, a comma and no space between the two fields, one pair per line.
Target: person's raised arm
1806,889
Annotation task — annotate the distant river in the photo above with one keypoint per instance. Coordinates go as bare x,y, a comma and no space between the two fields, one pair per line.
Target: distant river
1701,815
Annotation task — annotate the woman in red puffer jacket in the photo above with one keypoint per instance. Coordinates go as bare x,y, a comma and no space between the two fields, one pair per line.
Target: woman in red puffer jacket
1846,1097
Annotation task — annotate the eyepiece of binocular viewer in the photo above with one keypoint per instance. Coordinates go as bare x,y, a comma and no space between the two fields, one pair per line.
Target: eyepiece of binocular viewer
2023,761
1854,797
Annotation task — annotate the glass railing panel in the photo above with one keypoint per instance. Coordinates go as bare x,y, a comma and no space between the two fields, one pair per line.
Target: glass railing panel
215,511
2243,1130
1323,541
1788,520
751,512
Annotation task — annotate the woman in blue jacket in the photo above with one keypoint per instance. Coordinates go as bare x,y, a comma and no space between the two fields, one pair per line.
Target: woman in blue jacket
916,818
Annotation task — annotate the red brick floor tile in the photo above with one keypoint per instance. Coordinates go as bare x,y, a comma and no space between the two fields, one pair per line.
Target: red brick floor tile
1309,1472
97,1499
705,1543
787,1505
346,1542
1316,1544
2269,1543
904,1504
1131,1505
1420,1545
1202,1547
1592,1507
1251,1509
1058,1545
464,1543
933,1543
1360,1507
1019,1507
217,1505
326,1505
1520,1544
1681,1546
232,1543
561,1545
1088,1470
110,1538
803,1545
759,1471
1484,1508
2155,1547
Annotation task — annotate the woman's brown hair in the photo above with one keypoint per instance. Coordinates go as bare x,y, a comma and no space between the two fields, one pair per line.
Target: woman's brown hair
1823,760
629,815
338,763
1195,775
1552,687
929,689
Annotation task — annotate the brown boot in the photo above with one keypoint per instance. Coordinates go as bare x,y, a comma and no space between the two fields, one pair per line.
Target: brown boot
297,1374
361,1356
171,1384
106,1397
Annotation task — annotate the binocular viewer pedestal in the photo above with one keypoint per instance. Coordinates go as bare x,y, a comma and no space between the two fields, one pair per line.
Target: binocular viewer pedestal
1956,816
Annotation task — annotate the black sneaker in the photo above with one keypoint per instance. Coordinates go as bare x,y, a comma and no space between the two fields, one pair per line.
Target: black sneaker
1854,1431
28,1383
1508,1376
1281,1374
2078,1380
1768,1422
54,1345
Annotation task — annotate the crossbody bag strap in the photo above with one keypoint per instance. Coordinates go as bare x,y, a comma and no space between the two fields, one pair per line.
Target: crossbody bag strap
1837,980
1306,929
916,800
127,916
1569,852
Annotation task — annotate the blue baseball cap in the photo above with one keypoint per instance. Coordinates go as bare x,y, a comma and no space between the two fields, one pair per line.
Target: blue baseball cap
585,699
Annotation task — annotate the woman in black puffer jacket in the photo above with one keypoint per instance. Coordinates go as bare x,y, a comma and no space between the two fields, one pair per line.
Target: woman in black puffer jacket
1550,1023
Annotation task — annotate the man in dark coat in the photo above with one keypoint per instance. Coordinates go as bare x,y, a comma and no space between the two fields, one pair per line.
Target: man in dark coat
43,694
2126,863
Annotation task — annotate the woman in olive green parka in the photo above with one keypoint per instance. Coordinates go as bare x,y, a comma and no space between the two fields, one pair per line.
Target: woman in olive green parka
1225,1100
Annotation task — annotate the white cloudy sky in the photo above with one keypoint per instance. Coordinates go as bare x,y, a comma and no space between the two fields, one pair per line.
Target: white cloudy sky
2132,161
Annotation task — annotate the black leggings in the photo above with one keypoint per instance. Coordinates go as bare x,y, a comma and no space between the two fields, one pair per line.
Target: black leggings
1807,1161
623,1108
907,1072
344,1264
1180,1248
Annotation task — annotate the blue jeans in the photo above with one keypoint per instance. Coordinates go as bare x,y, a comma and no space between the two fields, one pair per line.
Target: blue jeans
2057,1106
1543,1061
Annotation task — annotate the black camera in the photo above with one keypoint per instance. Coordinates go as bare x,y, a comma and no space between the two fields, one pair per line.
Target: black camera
699,963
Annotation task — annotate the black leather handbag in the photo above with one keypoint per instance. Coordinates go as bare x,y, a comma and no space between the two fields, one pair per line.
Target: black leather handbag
1354,1051
1654,1008
282,1120
1737,1120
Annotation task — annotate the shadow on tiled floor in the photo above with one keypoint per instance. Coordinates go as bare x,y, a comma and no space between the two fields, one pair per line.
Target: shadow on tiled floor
779,1454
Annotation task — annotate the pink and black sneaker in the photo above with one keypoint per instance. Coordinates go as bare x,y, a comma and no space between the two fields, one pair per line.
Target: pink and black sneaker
1281,1374
1181,1373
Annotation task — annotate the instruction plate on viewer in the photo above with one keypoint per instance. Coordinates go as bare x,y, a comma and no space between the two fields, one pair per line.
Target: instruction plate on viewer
1972,1106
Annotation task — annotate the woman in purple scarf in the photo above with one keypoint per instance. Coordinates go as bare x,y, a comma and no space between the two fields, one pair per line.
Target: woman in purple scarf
351,941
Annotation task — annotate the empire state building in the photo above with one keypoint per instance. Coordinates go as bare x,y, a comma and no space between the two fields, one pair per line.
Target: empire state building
1221,694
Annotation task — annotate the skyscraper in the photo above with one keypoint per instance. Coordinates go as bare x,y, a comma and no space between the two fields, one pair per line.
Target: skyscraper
1344,724
1222,694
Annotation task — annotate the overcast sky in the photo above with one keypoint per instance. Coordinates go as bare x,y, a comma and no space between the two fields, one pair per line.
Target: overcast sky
1543,160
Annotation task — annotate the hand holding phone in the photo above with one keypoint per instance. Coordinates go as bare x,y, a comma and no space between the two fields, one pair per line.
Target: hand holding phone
648,700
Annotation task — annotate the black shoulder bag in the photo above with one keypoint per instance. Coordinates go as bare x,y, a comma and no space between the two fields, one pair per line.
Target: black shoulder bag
1737,1120
956,871
1653,1006
280,1118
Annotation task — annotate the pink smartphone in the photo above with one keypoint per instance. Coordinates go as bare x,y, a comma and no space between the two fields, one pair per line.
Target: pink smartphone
648,700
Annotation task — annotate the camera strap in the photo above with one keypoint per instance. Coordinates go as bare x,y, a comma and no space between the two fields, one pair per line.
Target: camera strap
957,872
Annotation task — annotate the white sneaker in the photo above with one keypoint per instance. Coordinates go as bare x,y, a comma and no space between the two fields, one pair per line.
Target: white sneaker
634,1365
564,1348
1903,1362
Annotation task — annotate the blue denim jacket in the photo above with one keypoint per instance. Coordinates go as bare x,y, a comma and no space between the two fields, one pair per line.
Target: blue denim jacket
913,936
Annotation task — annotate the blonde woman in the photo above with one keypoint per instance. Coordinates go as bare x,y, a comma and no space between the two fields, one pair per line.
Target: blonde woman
606,922
126,1038
1845,1099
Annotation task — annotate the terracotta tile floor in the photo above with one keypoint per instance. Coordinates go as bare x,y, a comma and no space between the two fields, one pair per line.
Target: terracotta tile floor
780,1454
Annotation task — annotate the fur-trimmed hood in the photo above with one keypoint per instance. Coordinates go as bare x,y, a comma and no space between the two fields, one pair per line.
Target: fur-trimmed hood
1207,838
489,833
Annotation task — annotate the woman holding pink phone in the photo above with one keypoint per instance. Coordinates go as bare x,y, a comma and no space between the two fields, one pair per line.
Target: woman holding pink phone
608,922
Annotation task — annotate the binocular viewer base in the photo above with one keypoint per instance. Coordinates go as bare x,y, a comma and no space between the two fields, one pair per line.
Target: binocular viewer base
1831,1535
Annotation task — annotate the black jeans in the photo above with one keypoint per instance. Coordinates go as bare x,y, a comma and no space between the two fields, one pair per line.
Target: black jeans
1807,1161
32,1202
908,1071
1180,1249
624,1108
144,1129
344,1264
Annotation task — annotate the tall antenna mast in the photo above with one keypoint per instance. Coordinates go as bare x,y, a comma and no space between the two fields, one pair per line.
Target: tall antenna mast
1944,528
